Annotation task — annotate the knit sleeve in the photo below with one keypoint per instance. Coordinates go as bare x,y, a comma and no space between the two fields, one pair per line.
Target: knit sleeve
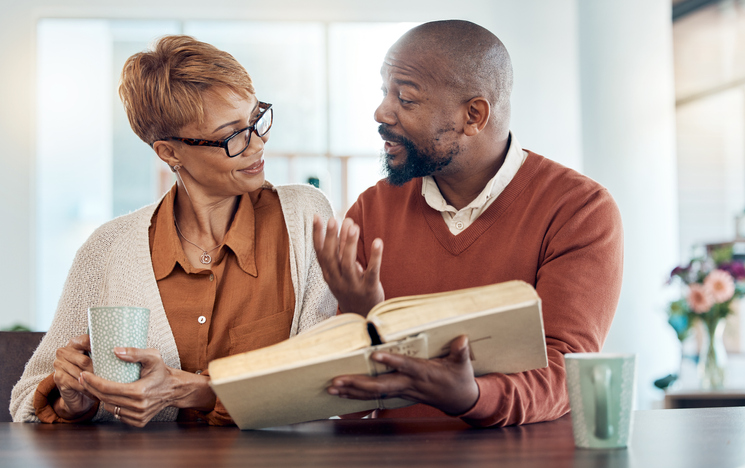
313,297
579,283
319,303
82,290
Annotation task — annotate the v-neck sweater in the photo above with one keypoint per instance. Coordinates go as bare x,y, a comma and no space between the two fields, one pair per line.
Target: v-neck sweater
551,227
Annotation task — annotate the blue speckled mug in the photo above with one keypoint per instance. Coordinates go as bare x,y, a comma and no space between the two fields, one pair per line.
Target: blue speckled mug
110,327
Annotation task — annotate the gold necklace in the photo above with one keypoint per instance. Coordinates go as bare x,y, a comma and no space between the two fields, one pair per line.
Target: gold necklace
205,258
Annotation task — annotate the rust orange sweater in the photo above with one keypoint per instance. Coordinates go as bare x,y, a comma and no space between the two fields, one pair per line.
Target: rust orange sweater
552,227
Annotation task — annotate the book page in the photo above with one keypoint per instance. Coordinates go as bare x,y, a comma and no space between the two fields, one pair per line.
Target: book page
395,316
334,336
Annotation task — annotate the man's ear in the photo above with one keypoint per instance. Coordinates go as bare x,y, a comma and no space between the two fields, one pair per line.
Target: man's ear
166,151
479,111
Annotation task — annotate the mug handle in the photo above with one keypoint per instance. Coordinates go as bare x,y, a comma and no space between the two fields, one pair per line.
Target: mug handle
601,375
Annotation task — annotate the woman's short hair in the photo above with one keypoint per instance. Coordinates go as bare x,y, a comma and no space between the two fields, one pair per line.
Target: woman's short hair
162,89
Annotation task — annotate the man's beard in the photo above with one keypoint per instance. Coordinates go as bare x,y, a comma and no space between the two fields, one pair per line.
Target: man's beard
418,163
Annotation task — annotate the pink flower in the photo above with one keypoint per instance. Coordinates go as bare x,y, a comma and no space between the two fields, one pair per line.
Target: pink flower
720,285
699,298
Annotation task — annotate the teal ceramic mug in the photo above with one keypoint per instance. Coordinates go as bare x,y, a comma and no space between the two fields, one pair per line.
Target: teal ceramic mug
110,327
601,395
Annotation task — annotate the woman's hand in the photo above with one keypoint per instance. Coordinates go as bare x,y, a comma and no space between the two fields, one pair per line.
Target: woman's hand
159,387
69,363
355,289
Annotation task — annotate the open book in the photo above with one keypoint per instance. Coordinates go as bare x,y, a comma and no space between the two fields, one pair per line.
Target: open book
286,383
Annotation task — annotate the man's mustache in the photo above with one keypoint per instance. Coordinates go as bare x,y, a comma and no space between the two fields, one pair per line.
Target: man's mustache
387,135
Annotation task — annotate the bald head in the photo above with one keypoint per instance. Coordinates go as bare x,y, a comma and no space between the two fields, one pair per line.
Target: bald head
468,59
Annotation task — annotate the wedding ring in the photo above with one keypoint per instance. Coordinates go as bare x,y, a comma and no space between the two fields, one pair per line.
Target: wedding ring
116,413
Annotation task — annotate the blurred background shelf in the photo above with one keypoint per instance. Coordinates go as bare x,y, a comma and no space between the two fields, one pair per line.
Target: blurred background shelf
704,399
686,393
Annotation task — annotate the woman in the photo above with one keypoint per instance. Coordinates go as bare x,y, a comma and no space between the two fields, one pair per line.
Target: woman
224,261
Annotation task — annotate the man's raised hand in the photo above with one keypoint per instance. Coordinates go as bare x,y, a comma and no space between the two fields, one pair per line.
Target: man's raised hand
357,289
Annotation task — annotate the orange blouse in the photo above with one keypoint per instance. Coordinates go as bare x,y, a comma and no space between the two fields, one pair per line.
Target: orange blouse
243,300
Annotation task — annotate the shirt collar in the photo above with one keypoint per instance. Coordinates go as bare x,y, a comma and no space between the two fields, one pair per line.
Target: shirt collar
493,188
168,251
240,238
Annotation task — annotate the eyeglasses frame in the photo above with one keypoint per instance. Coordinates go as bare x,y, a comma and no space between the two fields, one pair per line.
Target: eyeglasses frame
264,106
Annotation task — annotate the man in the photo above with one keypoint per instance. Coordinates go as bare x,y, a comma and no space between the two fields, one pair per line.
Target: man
463,205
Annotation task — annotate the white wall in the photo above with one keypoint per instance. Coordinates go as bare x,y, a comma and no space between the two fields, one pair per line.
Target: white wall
16,154
67,151
547,40
628,112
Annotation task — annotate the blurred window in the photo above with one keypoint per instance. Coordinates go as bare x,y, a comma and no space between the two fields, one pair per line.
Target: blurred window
709,58
322,79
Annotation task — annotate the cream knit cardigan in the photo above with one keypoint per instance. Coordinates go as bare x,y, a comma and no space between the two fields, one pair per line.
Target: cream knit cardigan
114,267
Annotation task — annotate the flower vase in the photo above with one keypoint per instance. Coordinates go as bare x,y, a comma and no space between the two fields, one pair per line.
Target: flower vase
712,361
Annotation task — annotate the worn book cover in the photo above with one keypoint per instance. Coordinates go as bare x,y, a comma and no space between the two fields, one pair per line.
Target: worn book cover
286,383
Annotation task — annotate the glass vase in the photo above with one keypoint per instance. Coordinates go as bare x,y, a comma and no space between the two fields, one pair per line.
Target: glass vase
712,361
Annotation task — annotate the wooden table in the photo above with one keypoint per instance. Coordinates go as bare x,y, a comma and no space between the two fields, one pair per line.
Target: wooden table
709,437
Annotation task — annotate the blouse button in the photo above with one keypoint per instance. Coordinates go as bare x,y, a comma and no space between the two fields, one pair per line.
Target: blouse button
459,225
202,319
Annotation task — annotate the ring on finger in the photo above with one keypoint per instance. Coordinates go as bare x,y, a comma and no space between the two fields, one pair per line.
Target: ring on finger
117,410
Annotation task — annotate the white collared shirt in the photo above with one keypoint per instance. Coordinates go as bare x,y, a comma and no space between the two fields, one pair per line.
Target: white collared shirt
459,220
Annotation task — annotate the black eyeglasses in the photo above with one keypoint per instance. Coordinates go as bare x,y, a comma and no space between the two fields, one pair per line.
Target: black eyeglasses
237,143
